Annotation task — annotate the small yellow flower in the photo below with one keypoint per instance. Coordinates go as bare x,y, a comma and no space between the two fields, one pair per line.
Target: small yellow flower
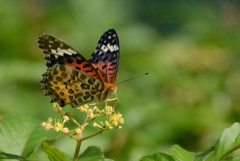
58,126
114,116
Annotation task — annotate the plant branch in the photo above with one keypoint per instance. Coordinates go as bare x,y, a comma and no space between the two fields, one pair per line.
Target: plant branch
77,150
73,120
91,135
87,123
85,120
73,137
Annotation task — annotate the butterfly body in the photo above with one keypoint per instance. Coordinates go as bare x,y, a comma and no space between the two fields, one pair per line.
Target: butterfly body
72,79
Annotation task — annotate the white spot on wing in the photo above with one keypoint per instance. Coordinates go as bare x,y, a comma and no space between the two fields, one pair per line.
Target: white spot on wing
62,51
104,48
116,47
110,47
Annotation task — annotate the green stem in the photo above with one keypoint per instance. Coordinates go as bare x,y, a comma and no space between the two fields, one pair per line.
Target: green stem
72,136
73,120
91,135
77,150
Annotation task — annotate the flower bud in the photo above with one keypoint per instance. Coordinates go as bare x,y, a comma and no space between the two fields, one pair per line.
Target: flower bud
115,123
66,118
86,106
121,121
91,115
97,125
110,108
50,120
90,111
65,130
47,127
43,124
94,108
78,131
107,124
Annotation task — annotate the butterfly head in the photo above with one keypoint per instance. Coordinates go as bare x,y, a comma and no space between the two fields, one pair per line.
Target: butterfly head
111,89
114,89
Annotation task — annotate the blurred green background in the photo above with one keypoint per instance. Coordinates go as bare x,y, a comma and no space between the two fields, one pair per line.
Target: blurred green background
190,48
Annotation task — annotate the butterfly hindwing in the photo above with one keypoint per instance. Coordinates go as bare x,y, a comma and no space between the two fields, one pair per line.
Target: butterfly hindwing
105,58
66,85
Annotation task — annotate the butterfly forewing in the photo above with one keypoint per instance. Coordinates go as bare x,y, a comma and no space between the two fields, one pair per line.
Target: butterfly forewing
105,58
54,49
58,52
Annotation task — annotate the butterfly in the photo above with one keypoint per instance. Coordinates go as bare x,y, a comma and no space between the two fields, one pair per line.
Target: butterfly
72,79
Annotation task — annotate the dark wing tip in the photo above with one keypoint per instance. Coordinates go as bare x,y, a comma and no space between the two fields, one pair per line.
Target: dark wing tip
111,30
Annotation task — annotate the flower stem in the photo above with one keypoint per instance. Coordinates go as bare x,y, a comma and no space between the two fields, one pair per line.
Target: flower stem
73,120
91,135
72,136
77,150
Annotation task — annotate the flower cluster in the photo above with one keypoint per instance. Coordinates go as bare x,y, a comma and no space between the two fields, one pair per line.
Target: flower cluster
58,125
113,120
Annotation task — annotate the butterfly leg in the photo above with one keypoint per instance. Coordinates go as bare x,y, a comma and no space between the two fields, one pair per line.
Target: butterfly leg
113,99
117,101
106,113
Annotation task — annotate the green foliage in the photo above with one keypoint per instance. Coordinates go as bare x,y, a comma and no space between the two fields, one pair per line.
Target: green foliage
227,144
92,153
22,135
190,48
16,134
229,141
53,153
157,156
11,156
180,154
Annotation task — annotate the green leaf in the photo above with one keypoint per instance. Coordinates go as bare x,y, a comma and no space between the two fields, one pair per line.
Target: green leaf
228,142
180,154
157,157
53,153
205,156
22,135
92,153
231,159
11,156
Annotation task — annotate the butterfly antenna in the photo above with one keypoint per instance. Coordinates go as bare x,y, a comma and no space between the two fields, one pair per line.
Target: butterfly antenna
133,78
